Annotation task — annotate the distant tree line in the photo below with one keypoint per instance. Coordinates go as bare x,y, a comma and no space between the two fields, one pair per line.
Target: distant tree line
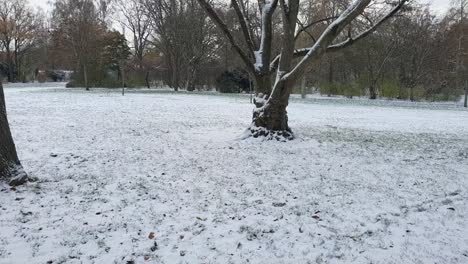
114,43
416,56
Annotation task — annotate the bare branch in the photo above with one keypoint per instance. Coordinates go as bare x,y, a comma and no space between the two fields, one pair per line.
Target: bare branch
221,25
328,36
244,26
305,27
350,41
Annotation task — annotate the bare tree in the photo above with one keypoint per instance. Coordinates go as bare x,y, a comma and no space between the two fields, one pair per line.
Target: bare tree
134,17
272,96
184,37
18,24
79,23
461,52
11,169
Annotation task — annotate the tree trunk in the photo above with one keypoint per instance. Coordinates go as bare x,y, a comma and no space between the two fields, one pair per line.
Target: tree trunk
270,117
303,88
85,75
411,95
122,70
147,80
466,96
372,91
262,84
11,76
11,169
271,121
330,77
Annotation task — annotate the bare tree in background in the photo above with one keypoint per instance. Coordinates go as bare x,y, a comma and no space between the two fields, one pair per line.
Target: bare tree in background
270,117
135,18
11,169
183,35
79,23
461,52
18,24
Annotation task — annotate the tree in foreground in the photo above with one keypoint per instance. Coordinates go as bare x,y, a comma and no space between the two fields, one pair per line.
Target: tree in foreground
275,76
11,169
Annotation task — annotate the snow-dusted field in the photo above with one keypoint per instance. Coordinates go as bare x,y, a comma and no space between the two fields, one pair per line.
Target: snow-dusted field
365,182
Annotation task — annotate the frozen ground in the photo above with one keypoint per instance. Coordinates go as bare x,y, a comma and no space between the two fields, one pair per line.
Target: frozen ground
379,182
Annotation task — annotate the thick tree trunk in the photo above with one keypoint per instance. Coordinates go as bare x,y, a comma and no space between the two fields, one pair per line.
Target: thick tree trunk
271,121
262,84
11,169
270,117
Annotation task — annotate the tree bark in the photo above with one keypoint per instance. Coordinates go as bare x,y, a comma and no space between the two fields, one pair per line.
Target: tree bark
11,75
304,88
11,169
411,95
372,91
85,75
270,117
466,96
147,80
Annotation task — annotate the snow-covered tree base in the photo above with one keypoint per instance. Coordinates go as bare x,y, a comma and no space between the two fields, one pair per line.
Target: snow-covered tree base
284,136
15,175
261,132
270,120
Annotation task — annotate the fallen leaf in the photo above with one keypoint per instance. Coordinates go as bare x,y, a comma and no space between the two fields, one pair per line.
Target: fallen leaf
151,235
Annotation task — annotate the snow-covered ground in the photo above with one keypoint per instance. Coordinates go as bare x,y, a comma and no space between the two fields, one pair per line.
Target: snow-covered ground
365,182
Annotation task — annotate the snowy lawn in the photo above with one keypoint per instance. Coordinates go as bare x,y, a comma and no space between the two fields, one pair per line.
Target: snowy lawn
365,182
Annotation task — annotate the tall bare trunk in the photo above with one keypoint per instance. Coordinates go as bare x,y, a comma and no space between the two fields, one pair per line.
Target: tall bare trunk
330,77
122,70
147,80
466,95
303,88
373,91
411,95
11,75
11,169
85,75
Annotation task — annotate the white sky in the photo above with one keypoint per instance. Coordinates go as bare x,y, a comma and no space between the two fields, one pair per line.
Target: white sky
40,3
440,6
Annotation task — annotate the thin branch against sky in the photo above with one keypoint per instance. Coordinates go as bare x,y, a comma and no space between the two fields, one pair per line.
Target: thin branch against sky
439,6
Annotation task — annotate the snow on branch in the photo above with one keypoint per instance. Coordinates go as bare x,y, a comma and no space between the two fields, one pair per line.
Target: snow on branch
369,31
263,54
350,41
328,36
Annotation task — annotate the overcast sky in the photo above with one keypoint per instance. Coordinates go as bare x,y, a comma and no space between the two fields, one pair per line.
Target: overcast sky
439,6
